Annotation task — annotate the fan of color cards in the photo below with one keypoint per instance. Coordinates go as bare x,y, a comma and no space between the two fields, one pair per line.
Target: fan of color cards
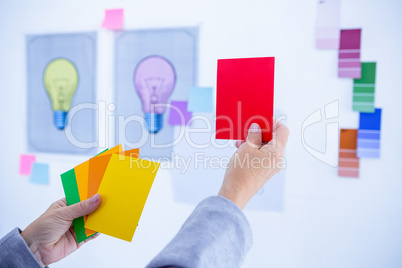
123,181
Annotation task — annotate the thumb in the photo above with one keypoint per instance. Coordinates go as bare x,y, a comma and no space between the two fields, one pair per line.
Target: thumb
254,137
83,208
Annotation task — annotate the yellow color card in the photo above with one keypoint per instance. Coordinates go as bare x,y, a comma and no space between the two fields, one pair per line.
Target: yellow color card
124,190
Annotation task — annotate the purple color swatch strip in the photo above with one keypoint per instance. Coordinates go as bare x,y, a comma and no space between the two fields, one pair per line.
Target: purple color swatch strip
349,54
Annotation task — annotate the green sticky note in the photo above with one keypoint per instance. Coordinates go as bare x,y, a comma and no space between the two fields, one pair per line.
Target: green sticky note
72,197
364,89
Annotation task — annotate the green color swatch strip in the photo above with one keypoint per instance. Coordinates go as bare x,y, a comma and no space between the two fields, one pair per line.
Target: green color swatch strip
364,89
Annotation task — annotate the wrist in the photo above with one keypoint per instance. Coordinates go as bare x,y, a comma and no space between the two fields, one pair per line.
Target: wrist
32,245
235,197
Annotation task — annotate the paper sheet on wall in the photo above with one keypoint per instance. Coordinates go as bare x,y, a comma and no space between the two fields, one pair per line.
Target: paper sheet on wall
368,135
26,162
364,89
328,23
114,19
200,99
349,64
348,163
141,54
199,167
40,173
43,116
178,113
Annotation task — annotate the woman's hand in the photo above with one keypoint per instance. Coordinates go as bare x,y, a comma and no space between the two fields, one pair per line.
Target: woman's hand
253,164
51,237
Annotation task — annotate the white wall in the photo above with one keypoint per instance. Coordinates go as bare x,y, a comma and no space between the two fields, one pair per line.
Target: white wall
328,221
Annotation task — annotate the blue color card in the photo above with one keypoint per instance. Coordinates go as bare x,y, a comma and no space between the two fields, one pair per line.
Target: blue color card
79,50
368,135
200,99
152,68
40,173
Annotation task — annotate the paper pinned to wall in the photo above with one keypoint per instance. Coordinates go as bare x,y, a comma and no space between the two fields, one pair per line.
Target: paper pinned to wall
200,99
349,64
26,162
348,163
245,95
368,135
40,173
114,19
178,113
124,191
364,89
328,23
199,168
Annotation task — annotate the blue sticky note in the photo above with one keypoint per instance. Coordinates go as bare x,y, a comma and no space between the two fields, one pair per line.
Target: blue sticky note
200,99
40,173
368,135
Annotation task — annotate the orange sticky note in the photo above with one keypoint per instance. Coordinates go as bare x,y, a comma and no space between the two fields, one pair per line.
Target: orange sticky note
97,168
124,190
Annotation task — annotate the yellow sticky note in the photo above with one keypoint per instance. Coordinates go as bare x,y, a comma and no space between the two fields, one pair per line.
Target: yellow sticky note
124,191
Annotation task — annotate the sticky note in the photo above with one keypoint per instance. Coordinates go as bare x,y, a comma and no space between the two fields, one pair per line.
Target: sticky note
97,170
328,23
72,197
40,173
245,95
178,113
348,163
368,135
124,191
113,19
26,162
364,89
200,99
349,64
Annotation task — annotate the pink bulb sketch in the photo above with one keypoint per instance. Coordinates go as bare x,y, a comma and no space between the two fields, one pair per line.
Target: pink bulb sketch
154,80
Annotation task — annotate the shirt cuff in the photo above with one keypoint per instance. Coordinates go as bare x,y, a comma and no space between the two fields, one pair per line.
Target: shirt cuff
14,252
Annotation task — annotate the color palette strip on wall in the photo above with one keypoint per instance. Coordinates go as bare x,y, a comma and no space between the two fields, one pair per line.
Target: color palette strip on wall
364,89
348,163
368,136
328,23
349,54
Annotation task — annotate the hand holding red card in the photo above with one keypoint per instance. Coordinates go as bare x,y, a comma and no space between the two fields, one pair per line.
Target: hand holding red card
245,95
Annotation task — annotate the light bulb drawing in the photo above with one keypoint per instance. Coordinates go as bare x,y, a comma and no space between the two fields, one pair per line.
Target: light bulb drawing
60,79
154,80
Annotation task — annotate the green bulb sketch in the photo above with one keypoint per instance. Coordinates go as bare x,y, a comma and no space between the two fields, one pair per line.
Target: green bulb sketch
60,79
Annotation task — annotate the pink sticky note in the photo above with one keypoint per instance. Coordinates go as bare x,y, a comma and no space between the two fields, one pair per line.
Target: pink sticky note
178,114
26,162
113,19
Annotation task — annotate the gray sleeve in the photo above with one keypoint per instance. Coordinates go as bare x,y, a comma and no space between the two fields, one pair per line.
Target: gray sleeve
217,234
14,252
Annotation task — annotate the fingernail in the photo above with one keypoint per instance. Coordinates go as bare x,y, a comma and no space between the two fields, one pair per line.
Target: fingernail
254,128
95,198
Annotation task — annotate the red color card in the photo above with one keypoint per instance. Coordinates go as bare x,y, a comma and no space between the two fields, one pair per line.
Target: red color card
348,161
245,95
349,54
